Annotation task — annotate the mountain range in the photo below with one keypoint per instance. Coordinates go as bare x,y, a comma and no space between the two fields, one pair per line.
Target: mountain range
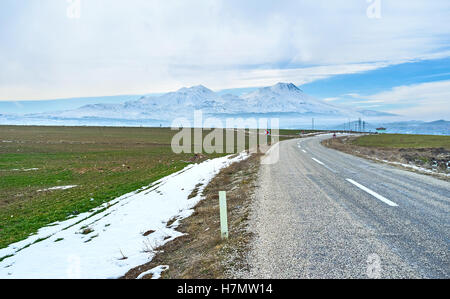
282,98
285,101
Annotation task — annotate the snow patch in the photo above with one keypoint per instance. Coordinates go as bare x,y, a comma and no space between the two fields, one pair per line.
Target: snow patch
58,188
420,169
155,272
21,169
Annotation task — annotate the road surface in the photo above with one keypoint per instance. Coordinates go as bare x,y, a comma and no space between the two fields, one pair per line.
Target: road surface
320,213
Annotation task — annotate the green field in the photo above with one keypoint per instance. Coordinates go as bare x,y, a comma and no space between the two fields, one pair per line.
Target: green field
403,141
103,162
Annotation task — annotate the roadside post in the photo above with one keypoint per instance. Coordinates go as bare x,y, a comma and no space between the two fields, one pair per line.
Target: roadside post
223,214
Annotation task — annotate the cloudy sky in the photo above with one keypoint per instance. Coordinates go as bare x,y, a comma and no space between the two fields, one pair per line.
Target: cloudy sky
390,55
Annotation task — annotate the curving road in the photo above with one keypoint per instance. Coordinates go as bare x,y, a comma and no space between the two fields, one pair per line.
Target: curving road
320,213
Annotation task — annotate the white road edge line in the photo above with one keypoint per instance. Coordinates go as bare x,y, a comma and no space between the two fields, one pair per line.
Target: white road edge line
318,161
373,193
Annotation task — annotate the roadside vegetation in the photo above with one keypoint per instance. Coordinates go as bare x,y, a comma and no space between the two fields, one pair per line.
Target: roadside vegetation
423,153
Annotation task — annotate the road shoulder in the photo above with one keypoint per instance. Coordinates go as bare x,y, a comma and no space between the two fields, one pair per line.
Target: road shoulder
201,253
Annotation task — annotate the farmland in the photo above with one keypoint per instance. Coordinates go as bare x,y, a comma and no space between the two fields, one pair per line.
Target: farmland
102,164
403,141
95,164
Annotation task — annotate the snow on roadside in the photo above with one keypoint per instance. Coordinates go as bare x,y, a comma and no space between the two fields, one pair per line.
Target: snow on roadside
109,240
417,168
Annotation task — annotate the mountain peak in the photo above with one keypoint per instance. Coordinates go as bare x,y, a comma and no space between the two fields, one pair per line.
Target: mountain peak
196,88
285,86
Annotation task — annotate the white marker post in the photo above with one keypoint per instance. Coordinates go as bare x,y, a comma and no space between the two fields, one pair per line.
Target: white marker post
223,214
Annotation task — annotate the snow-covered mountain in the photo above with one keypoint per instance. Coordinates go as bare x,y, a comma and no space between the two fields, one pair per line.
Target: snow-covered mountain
288,98
282,100
285,101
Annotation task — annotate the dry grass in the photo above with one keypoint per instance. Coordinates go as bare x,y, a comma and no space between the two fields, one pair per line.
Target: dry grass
171,221
148,233
87,231
201,253
195,191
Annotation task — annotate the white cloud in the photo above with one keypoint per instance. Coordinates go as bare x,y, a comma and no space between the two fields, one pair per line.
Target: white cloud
138,82
138,46
428,101
300,76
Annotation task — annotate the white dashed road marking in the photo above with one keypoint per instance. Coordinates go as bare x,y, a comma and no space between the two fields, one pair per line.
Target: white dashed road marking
373,193
318,161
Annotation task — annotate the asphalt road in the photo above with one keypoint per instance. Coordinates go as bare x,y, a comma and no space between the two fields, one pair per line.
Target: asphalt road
320,213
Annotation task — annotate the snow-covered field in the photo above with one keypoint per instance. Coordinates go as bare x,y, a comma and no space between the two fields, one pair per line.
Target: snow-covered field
109,241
